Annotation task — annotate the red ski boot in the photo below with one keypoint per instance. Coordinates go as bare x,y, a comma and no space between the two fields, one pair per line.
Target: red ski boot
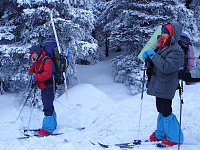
153,138
43,132
166,142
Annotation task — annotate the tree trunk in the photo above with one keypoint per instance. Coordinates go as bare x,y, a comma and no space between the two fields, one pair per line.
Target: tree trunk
106,45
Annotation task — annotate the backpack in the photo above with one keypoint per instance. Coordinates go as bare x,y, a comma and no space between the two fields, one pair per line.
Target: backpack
50,47
188,50
185,44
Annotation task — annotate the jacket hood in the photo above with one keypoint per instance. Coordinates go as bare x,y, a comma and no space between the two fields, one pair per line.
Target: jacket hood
177,30
43,55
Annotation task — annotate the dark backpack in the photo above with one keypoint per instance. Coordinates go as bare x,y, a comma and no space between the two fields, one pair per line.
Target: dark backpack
50,47
188,50
185,44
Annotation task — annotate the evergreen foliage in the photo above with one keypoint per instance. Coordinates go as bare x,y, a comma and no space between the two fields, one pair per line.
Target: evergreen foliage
29,23
128,25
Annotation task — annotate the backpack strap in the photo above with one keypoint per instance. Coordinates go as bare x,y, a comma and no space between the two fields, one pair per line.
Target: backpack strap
51,80
43,61
45,58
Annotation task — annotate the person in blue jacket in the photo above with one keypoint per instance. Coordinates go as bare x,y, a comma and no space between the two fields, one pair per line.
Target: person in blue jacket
163,81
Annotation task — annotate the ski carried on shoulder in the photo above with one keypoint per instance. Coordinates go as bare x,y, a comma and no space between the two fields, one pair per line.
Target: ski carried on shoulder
59,49
37,135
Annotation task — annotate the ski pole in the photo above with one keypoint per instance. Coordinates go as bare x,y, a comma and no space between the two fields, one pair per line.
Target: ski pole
31,108
54,87
143,82
32,86
181,102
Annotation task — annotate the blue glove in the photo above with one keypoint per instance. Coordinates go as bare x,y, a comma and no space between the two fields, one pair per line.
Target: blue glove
148,53
31,78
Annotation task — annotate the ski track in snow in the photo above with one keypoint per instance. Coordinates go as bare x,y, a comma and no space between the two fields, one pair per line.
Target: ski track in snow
105,108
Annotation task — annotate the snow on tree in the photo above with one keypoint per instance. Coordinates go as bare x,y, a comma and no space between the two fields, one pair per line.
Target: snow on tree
128,24
28,23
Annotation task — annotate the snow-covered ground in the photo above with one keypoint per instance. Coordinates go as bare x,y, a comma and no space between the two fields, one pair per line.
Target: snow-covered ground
107,111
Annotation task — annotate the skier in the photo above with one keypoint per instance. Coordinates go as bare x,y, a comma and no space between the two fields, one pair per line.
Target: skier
42,76
163,81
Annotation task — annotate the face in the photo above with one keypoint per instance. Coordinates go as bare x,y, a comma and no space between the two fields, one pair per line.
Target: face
34,56
164,36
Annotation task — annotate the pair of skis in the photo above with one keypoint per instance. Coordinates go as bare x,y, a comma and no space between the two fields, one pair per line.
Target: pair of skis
130,145
26,136
121,145
34,133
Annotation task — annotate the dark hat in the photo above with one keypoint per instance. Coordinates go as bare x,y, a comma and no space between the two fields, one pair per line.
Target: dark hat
165,30
35,49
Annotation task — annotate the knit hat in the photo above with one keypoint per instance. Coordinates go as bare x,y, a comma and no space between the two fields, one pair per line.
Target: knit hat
35,49
165,30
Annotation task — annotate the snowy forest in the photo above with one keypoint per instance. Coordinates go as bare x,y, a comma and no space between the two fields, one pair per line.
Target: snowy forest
93,28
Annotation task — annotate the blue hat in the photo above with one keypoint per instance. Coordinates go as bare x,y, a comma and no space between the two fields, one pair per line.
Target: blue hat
35,49
165,30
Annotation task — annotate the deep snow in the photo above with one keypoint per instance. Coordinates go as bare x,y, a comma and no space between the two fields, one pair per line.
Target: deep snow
107,111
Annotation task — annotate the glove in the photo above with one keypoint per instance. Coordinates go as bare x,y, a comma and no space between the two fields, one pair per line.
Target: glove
148,62
148,53
184,75
181,74
31,78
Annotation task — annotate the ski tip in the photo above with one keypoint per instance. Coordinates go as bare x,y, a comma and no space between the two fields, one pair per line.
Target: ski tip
92,143
103,145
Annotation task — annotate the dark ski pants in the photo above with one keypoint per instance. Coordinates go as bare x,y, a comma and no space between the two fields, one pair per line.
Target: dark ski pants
47,100
164,106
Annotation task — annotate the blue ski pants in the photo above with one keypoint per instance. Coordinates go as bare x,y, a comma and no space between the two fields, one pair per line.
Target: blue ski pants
168,127
50,119
167,123
47,100
50,122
